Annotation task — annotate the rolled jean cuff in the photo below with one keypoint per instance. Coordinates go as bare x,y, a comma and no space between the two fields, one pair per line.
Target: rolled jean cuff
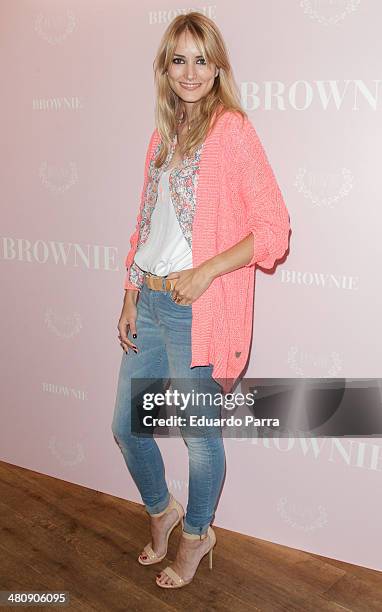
196,530
159,506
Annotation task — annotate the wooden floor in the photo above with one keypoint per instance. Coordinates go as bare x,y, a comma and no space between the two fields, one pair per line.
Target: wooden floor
62,537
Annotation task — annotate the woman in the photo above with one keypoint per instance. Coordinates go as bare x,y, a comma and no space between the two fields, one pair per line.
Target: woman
210,211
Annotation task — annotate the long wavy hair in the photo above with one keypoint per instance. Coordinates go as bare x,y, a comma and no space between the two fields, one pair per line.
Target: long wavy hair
223,96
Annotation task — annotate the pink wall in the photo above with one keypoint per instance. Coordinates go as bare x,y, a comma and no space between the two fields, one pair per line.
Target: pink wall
77,111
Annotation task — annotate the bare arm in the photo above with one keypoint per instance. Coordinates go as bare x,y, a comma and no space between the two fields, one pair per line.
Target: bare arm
237,256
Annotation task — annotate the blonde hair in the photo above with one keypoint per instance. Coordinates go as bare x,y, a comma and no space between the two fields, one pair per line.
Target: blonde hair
223,96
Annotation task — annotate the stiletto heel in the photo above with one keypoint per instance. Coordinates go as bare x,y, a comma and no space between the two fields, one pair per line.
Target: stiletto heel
178,580
151,555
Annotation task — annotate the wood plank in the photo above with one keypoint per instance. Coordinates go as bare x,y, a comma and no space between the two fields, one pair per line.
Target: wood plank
12,579
87,543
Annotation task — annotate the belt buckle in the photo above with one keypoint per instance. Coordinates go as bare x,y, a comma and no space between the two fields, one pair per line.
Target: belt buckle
164,279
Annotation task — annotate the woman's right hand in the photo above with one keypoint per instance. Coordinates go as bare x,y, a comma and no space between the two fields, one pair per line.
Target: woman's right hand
127,321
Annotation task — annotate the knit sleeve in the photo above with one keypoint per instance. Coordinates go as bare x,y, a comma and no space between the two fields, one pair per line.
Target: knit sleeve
266,213
134,275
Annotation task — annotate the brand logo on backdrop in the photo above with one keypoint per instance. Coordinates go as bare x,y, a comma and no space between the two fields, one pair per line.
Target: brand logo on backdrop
58,178
348,452
323,280
64,391
324,189
300,517
350,95
329,12
55,27
300,361
158,17
68,453
57,104
60,253
63,326
176,485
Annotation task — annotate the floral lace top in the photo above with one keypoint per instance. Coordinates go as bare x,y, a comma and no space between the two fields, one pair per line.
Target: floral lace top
182,185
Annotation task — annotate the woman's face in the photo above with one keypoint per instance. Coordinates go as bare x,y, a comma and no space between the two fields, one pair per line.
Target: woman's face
188,66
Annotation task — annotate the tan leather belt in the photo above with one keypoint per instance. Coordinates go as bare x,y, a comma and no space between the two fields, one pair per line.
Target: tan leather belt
158,283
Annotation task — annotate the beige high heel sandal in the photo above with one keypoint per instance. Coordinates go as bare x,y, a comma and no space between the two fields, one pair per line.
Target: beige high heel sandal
152,556
179,581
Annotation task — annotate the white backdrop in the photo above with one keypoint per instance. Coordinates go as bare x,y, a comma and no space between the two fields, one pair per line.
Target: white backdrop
77,112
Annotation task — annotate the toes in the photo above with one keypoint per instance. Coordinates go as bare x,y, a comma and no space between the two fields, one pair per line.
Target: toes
162,578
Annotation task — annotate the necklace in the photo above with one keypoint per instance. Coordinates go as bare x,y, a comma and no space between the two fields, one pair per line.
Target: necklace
181,121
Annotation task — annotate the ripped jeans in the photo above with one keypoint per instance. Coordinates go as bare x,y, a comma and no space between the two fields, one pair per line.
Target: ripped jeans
164,351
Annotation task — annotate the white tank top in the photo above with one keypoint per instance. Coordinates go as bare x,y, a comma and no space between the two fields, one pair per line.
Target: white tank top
166,250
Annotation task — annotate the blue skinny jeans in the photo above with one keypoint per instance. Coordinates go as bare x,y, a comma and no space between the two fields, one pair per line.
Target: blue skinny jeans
164,343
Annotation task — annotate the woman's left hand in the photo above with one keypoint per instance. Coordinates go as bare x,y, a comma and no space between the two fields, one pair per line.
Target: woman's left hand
190,284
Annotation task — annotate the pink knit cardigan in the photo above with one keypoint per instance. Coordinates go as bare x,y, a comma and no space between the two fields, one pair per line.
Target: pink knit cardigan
237,193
